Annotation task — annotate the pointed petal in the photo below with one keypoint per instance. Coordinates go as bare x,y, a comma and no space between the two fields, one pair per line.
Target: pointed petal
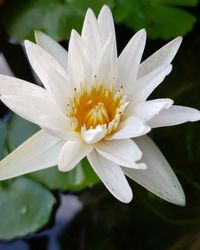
158,178
79,69
146,85
52,47
91,36
38,152
71,153
112,177
106,69
147,110
163,56
122,152
131,127
106,26
92,136
13,86
42,62
129,60
175,115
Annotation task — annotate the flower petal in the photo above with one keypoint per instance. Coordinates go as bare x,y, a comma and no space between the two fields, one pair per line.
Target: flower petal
42,62
106,26
106,69
175,115
158,178
122,152
131,127
38,152
13,86
146,85
60,89
163,56
91,36
71,153
52,47
92,136
112,176
147,110
79,69
129,60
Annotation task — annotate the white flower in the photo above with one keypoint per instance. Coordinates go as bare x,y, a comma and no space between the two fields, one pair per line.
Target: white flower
93,104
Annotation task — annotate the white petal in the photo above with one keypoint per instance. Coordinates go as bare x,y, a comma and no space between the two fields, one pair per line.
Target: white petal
29,107
38,152
112,177
122,152
131,127
146,85
92,136
52,47
60,89
79,69
42,62
71,153
91,36
163,56
106,26
175,115
129,60
147,110
106,69
13,86
158,178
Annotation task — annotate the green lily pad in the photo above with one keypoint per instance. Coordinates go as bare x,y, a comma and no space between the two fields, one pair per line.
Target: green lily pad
56,18
162,18
25,206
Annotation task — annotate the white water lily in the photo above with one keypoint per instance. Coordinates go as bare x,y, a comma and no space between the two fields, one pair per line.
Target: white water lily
95,104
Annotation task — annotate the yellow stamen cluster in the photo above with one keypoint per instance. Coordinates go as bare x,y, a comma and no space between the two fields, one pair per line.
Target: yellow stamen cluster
95,106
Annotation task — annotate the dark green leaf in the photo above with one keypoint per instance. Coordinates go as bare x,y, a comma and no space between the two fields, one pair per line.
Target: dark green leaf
162,18
54,17
25,206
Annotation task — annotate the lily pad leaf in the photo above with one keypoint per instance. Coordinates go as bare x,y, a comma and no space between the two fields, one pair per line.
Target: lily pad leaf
163,19
25,206
56,18
3,130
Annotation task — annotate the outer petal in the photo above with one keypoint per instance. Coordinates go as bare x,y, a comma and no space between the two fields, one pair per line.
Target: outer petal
42,62
71,153
163,56
106,26
147,110
112,176
131,127
38,152
52,47
122,152
91,36
146,85
175,115
129,60
13,86
158,178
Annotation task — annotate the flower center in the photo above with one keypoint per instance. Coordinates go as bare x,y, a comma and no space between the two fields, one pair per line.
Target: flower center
95,106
